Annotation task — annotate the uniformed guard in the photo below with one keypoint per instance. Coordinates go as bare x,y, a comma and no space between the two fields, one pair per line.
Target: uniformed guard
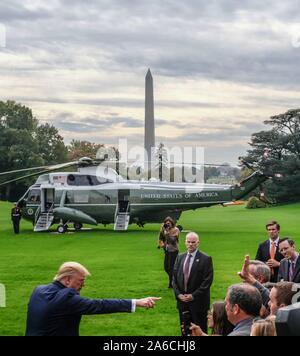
15,218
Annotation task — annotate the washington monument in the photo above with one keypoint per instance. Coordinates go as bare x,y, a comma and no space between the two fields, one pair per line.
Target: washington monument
149,120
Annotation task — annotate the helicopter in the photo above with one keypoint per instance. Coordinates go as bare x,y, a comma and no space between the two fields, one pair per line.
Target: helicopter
96,195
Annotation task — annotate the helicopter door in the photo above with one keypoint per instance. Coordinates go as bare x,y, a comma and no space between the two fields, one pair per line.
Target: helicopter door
47,200
123,200
122,215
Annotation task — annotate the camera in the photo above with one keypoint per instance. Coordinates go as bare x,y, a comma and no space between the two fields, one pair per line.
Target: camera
186,318
288,320
166,226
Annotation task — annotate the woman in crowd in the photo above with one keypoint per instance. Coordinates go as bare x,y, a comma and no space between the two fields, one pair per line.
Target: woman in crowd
217,322
169,241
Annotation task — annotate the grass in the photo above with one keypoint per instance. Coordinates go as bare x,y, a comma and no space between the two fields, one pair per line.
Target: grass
128,265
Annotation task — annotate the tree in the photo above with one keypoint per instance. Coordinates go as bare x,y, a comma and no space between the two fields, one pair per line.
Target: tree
25,144
78,149
283,143
51,146
211,172
18,147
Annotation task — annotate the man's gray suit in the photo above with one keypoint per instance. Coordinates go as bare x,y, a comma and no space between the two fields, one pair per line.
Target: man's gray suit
243,328
199,283
285,268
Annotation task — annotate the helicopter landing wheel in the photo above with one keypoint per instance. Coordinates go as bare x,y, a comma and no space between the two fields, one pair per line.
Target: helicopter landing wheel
61,229
77,226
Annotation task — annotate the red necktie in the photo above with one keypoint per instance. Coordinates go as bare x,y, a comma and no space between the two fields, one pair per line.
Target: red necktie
272,254
273,250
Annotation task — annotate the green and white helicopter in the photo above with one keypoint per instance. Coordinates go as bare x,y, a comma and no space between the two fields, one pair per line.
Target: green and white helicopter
97,195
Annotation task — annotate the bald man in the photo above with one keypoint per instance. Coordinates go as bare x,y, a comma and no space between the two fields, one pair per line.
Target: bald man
193,276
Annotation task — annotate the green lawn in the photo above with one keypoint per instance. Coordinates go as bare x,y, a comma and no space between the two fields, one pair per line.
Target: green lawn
128,265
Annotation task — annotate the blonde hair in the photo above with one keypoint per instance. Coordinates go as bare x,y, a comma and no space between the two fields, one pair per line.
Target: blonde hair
69,269
264,327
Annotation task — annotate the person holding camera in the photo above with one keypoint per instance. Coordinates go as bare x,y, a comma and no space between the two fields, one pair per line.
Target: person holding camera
169,241
217,321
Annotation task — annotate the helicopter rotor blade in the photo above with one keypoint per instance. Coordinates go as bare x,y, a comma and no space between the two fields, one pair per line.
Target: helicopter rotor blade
22,170
23,177
48,170
61,165
195,164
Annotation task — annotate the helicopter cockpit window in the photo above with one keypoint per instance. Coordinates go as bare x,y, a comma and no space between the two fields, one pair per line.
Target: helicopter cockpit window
34,196
86,180
43,178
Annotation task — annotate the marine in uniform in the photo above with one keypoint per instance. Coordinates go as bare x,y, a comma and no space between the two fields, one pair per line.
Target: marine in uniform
15,218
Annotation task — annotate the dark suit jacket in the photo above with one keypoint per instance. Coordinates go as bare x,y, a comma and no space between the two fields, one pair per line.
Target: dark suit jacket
55,310
284,271
200,280
263,254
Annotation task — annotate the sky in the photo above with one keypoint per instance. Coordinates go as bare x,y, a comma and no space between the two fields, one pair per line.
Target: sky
220,68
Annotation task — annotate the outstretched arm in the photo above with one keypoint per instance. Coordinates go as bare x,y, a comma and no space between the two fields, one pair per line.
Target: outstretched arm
147,303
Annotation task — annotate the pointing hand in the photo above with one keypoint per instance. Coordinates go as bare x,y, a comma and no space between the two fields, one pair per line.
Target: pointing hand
147,303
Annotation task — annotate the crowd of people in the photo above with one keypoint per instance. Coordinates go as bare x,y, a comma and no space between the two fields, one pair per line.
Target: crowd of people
268,284
249,308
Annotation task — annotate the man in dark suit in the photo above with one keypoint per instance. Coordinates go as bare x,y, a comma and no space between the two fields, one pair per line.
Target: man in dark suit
56,309
193,276
268,251
289,269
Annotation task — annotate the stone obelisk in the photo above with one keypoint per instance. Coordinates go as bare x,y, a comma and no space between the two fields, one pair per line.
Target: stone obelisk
149,121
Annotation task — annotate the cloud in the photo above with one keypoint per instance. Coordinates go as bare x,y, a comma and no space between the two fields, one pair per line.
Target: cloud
224,40
233,134
214,63
71,123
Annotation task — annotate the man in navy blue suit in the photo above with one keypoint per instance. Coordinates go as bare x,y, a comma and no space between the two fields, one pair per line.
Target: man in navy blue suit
268,251
56,309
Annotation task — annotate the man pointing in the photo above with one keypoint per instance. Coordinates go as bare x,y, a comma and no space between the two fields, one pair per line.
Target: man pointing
56,309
